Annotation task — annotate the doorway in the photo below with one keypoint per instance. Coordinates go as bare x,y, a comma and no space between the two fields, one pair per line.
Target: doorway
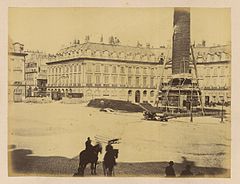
137,96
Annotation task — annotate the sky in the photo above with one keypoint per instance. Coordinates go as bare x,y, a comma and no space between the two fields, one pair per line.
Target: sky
49,29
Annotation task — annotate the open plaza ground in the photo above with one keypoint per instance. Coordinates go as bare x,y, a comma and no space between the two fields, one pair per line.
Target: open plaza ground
57,130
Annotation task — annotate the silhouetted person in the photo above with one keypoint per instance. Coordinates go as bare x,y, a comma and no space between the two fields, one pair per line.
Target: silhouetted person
88,145
169,171
187,171
109,160
109,147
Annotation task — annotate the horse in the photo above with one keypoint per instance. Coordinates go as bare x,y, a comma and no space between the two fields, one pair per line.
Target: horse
86,157
109,162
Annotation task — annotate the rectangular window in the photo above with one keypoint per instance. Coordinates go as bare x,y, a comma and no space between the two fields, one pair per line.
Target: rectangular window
97,79
222,71
70,82
74,79
144,81
89,79
106,69
208,72
152,71
145,71
79,68
137,81
114,69
97,67
129,81
106,79
215,71
75,68
122,80
114,80
152,82
79,80
130,70
89,68
67,80
122,69
137,70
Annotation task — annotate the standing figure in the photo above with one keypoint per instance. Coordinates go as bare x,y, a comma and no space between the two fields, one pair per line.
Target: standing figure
88,145
109,160
89,155
169,171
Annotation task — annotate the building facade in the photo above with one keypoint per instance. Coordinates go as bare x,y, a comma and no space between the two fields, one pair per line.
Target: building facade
16,76
214,72
98,70
36,73
94,70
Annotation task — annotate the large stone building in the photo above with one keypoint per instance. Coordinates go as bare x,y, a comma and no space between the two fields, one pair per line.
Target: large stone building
36,73
98,70
214,72
16,77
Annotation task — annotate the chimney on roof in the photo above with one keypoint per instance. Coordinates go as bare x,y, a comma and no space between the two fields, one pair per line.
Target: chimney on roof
111,40
87,38
139,44
116,41
203,43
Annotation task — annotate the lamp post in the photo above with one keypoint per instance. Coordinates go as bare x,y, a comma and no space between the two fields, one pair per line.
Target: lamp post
102,104
191,105
222,111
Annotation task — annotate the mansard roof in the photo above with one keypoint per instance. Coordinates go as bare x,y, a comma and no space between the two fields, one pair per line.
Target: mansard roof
111,48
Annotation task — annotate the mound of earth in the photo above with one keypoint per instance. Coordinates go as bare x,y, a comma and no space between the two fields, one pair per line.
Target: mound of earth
115,105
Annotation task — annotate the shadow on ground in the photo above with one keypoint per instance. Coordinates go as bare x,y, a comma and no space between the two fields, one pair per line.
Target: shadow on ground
22,163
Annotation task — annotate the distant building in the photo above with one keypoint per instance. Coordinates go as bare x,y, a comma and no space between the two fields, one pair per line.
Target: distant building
214,72
97,70
36,73
16,77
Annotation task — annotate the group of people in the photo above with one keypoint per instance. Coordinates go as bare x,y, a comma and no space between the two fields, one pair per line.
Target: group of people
170,172
109,160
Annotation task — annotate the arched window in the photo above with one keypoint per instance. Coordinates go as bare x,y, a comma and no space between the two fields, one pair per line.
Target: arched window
122,69
145,93
152,93
137,70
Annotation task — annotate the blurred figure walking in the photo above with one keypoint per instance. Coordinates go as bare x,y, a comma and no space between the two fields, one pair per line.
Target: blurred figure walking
169,171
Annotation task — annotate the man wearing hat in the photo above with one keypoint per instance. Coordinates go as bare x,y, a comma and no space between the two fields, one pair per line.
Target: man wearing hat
88,145
169,171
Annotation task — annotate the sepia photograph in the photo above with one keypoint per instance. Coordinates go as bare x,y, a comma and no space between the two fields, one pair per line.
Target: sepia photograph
119,92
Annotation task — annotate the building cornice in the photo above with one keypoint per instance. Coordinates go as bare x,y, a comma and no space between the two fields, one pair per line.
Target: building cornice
18,53
103,59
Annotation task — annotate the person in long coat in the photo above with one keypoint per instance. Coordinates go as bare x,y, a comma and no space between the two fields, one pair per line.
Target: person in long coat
169,171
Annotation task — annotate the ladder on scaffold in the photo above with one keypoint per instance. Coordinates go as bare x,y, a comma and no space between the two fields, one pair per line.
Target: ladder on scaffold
160,86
